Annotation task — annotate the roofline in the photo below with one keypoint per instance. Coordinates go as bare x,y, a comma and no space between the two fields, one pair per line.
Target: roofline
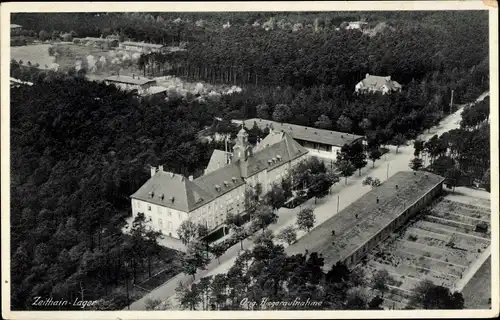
392,220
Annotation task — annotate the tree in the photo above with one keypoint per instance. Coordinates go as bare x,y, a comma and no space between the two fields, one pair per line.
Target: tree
188,297
219,288
487,180
418,145
218,250
416,164
263,111
44,35
380,280
398,140
346,169
288,235
427,295
187,231
453,176
239,233
275,197
323,122
194,259
282,113
265,215
374,155
344,124
202,230
151,304
376,303
365,124
369,181
321,183
306,219
358,157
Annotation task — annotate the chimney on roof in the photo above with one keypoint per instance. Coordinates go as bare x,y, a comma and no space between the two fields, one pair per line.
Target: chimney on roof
171,174
397,187
133,75
342,136
367,75
388,78
153,171
160,168
190,178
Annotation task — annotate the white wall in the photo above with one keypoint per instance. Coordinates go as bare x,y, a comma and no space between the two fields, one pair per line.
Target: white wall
162,218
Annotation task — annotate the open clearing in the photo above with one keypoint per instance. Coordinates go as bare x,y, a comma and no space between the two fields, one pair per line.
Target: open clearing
38,53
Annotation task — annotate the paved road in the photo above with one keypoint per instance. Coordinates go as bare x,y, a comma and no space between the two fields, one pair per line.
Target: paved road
324,209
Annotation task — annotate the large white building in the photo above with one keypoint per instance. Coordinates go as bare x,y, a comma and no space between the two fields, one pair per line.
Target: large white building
168,199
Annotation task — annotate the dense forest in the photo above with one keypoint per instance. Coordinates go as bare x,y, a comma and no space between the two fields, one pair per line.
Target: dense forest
80,148
265,275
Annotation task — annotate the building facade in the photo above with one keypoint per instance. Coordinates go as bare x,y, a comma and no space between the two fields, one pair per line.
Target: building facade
141,47
168,199
325,144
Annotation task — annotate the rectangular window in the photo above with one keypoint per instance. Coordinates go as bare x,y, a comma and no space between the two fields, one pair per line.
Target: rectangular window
149,208
160,223
169,213
169,226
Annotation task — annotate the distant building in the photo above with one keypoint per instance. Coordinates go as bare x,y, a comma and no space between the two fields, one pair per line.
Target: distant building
133,82
15,28
103,43
319,142
375,84
168,199
157,91
357,25
141,47
350,234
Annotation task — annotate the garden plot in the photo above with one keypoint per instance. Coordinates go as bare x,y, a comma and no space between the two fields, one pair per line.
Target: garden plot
473,211
439,247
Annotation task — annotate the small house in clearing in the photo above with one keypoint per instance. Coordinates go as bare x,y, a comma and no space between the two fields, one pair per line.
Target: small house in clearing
373,84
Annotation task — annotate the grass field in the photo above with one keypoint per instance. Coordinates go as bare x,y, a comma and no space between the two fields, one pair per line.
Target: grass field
478,290
34,53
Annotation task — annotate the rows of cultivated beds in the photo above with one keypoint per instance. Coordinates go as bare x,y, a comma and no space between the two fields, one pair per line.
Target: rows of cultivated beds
459,217
463,209
438,247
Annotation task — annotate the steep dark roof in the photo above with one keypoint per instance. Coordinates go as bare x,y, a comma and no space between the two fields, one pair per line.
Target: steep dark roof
378,82
352,232
190,195
333,138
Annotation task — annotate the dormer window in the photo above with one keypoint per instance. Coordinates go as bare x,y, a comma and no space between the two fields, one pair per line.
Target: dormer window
234,179
172,199
217,187
200,199
226,184
278,157
162,197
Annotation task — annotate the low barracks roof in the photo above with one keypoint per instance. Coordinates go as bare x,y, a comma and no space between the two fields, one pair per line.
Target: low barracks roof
130,80
142,44
352,232
333,138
